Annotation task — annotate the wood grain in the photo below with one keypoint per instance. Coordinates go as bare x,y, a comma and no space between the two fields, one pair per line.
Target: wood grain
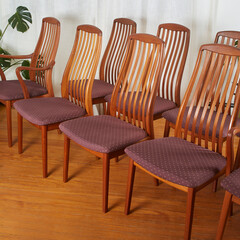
48,209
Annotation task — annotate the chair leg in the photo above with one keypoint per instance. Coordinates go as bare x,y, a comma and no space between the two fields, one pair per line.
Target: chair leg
66,158
9,122
116,159
44,150
104,108
106,162
108,109
214,185
20,133
131,175
237,161
189,213
166,129
224,214
156,181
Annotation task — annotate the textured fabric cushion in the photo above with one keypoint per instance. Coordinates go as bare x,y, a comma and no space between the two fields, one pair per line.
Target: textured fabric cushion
171,116
161,105
102,133
99,89
12,90
45,111
232,183
177,160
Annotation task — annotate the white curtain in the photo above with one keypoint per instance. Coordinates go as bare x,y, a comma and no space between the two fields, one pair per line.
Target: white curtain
203,17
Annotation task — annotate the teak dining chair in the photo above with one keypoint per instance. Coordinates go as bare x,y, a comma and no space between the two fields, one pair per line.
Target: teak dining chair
40,70
181,161
231,185
106,136
231,38
112,59
47,113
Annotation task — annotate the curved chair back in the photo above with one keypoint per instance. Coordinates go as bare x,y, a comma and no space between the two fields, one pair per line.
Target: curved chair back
45,52
116,49
135,91
213,86
81,68
176,38
229,38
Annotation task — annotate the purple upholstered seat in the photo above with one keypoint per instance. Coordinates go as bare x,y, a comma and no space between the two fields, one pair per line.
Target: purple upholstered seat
45,111
161,105
177,160
232,183
171,116
12,90
102,133
100,88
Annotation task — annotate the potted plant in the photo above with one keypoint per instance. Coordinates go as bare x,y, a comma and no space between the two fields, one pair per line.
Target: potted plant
19,21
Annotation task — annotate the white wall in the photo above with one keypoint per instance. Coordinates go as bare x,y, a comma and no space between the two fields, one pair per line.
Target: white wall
203,17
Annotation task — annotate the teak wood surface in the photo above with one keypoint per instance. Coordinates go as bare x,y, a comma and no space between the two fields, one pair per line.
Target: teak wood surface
48,209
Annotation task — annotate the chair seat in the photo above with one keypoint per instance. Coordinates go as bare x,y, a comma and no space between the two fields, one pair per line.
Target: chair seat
232,183
102,133
101,89
45,111
177,160
171,116
161,105
12,90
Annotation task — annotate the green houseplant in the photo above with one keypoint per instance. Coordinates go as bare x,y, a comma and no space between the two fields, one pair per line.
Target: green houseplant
19,21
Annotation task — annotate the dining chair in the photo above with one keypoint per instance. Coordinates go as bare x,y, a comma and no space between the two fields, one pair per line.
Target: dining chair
188,161
106,136
224,37
232,187
41,66
112,59
47,113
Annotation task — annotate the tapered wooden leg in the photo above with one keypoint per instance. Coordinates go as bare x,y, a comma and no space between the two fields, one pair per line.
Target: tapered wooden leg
104,109
66,158
106,162
166,129
108,108
223,216
156,182
9,122
214,185
189,213
20,136
44,150
237,161
131,175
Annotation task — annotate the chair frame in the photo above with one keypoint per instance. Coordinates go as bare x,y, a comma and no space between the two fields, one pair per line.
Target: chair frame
33,69
121,87
85,101
171,76
196,137
122,27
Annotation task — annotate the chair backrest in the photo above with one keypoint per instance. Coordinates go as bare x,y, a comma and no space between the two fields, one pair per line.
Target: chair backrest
81,68
135,91
176,38
213,86
116,49
231,38
45,51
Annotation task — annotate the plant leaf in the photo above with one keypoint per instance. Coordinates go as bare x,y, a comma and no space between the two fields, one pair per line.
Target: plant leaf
5,63
20,19
25,73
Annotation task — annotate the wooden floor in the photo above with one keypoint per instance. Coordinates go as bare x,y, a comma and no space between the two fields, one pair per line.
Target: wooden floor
33,208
